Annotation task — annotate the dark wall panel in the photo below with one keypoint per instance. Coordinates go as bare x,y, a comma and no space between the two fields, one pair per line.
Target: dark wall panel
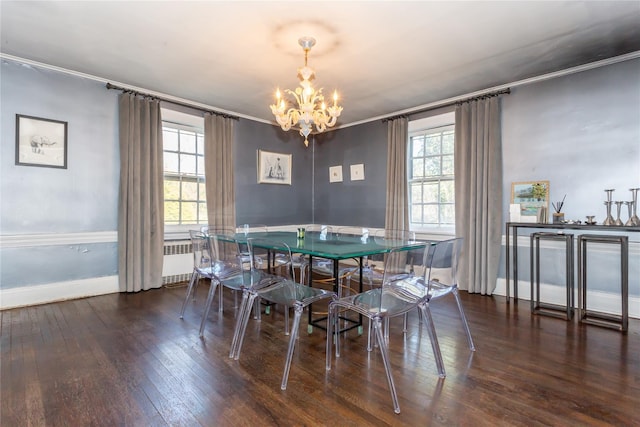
271,204
360,203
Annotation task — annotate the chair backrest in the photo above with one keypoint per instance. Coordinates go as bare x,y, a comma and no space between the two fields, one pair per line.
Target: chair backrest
281,268
441,262
200,249
225,256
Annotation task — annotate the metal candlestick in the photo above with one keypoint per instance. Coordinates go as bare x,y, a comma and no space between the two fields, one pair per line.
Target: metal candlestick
634,218
630,206
609,219
618,220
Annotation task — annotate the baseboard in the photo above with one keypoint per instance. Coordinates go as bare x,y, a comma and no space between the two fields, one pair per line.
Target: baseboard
605,302
60,291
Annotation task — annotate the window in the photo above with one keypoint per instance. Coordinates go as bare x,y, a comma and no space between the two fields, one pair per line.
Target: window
184,189
431,177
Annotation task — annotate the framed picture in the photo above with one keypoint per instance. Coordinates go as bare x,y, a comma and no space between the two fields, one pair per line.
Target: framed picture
41,142
335,173
274,168
530,196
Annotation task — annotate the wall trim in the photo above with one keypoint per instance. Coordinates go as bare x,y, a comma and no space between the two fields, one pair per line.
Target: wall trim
60,291
53,239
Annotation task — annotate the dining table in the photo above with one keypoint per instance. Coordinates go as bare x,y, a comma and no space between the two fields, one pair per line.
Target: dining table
332,246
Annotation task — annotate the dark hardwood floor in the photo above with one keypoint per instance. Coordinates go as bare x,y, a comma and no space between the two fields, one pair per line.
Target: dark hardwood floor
128,360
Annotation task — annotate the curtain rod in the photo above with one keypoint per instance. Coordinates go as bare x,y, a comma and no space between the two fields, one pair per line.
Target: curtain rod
183,104
506,91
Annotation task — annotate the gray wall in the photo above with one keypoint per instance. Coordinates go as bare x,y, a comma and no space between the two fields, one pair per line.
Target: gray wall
84,197
80,199
359,203
271,204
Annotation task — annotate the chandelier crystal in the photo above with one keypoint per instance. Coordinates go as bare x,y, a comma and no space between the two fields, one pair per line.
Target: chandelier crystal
311,108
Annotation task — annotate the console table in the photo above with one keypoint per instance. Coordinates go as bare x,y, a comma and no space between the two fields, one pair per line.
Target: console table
514,226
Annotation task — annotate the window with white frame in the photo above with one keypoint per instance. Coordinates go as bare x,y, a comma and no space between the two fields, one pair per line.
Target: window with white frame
184,184
431,174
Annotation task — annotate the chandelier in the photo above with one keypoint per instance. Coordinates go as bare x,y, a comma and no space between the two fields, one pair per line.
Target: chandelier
311,108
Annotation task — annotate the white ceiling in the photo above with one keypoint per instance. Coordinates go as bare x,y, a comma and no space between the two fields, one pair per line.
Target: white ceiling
383,57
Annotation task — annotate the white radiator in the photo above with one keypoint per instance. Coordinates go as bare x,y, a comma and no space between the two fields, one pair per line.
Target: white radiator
178,261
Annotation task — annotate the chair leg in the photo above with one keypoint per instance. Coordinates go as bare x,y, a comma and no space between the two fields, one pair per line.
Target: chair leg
465,325
250,301
428,321
194,277
369,337
377,326
330,335
239,322
207,306
292,344
220,299
286,321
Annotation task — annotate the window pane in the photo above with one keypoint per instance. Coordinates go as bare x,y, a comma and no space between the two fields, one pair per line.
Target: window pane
170,139
417,170
171,189
200,165
416,213
202,213
447,191
448,214
447,165
170,162
200,144
184,187
187,142
189,212
189,190
433,144
187,164
172,212
431,183
416,193
431,214
447,142
202,194
418,146
432,166
430,194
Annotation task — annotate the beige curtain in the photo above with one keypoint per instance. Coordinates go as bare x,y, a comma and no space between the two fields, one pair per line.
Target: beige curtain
478,188
218,171
397,209
141,199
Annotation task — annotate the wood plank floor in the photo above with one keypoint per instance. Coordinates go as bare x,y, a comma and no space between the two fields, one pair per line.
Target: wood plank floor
128,360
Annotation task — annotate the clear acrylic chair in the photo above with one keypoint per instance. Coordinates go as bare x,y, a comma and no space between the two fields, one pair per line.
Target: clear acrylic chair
226,269
401,291
284,291
441,275
201,263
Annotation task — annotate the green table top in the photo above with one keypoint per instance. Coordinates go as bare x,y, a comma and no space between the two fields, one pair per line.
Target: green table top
334,247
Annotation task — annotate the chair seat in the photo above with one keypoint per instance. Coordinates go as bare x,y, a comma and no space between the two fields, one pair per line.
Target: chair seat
290,293
383,302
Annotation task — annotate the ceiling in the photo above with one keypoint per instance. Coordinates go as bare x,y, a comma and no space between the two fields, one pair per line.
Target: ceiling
383,57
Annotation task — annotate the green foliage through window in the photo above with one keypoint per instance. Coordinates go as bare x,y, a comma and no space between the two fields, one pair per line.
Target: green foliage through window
184,188
431,178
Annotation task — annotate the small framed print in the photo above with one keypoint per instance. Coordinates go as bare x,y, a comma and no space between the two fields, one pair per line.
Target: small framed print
531,196
274,168
335,173
357,172
41,142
